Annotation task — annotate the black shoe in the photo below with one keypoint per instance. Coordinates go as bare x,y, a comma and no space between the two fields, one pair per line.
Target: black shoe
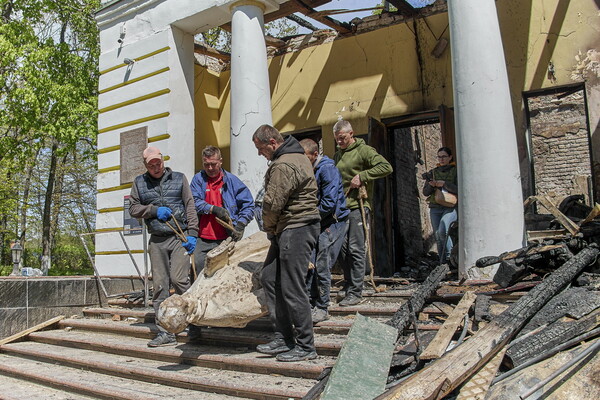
296,354
274,347
194,334
351,300
163,339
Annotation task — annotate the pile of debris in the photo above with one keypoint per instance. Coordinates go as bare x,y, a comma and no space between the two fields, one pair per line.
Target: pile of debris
543,345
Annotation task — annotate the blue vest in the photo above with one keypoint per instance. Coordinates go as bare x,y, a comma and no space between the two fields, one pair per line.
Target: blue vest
164,192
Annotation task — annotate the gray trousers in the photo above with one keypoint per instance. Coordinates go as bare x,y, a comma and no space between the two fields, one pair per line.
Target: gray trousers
170,266
203,246
353,255
283,279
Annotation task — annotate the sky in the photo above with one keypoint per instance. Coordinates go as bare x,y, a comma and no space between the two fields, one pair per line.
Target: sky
353,5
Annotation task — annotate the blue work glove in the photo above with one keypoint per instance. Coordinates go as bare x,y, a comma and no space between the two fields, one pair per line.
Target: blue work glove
190,245
164,213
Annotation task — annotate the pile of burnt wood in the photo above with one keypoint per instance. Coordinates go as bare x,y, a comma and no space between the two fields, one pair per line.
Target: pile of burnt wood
542,344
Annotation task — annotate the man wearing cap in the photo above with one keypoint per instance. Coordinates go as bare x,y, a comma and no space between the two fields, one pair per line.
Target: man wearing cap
161,196
218,194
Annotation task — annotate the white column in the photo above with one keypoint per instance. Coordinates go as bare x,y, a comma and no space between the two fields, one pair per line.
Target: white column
250,93
490,199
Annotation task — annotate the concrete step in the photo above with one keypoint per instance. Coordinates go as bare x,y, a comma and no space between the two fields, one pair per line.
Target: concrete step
232,383
18,389
242,358
329,344
93,384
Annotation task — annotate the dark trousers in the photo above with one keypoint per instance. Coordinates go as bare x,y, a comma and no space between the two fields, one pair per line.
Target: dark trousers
283,279
170,266
324,256
203,246
353,255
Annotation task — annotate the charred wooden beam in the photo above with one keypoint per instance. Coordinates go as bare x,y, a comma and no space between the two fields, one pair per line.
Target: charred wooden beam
403,7
401,318
304,8
211,52
553,335
442,376
302,22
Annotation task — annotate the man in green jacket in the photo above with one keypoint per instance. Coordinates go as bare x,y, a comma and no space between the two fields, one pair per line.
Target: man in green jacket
359,164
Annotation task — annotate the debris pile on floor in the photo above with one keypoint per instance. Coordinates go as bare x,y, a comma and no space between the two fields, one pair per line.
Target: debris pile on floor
539,342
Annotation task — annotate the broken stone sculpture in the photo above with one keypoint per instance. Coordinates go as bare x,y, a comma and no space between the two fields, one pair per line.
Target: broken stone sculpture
227,293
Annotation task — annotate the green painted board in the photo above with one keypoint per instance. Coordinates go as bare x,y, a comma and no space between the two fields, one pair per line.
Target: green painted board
362,367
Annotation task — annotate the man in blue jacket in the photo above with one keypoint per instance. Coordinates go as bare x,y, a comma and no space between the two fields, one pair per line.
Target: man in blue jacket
218,194
334,225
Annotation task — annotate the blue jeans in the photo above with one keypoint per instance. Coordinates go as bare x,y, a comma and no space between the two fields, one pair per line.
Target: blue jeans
318,280
441,218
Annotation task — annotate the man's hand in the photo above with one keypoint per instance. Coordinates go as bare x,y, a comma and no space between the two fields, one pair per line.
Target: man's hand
238,232
355,182
190,245
164,213
221,213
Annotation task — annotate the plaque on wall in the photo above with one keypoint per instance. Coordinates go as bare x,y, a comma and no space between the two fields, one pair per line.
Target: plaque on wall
133,143
131,226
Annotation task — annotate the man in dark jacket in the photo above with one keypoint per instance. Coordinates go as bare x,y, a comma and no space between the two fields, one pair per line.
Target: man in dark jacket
334,225
359,164
218,194
158,196
291,221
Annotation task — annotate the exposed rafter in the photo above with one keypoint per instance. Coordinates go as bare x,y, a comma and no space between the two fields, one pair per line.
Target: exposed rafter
209,51
302,22
305,9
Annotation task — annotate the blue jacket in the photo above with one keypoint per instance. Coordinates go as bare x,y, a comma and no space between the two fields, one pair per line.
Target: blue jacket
332,201
237,198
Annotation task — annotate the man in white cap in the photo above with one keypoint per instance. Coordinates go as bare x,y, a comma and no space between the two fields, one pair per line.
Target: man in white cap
157,196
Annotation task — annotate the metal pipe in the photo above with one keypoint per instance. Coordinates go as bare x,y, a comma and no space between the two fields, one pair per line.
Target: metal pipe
562,369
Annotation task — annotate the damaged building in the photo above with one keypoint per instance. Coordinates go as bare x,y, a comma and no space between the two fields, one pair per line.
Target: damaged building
511,86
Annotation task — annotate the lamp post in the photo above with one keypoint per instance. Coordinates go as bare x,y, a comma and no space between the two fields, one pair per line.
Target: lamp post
16,251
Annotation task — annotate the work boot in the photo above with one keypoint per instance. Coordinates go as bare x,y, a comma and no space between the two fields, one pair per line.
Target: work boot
276,346
194,333
351,300
296,354
319,315
163,339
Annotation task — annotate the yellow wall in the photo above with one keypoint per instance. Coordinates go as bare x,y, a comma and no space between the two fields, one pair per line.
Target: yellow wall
391,72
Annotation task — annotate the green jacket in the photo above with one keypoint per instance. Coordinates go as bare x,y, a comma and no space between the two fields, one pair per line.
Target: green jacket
362,159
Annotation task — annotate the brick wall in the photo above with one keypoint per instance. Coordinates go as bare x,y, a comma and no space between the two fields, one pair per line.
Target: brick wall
560,145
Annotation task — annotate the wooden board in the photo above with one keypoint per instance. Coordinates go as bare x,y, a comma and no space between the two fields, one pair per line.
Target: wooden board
439,344
362,367
477,387
26,332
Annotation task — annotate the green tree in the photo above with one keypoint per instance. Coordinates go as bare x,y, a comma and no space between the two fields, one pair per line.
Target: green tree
48,101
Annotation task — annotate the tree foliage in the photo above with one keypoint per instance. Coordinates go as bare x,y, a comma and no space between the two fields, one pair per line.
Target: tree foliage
48,111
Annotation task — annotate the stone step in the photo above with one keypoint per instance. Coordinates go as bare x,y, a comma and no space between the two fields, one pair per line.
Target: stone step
19,389
227,337
193,378
241,358
93,384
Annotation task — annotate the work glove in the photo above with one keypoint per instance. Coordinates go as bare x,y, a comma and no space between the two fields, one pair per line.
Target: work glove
221,213
164,213
190,245
238,232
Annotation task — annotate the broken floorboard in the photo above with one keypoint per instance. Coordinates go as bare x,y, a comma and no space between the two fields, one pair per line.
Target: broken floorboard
442,376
